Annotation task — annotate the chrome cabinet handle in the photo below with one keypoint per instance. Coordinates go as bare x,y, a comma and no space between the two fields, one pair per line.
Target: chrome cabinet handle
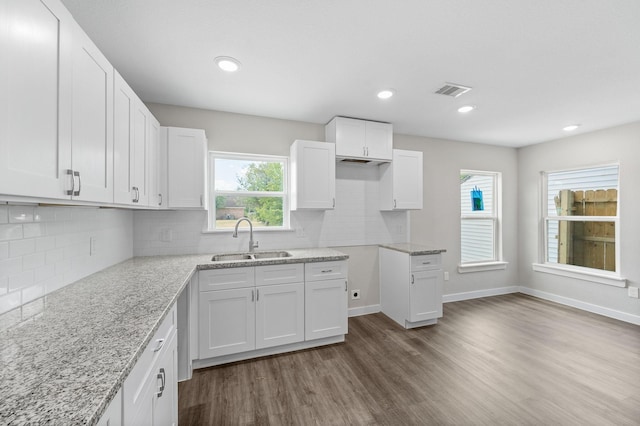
345,285
201,202
367,151
257,294
73,183
394,204
161,376
160,202
76,193
426,263
334,202
160,344
412,279
137,196
326,271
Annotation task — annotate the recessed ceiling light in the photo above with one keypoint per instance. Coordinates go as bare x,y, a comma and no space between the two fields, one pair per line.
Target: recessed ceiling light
385,94
571,127
466,108
227,63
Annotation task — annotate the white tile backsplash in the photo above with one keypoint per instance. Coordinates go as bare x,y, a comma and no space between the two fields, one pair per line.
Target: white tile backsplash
45,248
355,221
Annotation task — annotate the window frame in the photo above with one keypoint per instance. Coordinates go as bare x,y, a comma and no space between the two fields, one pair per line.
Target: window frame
585,273
213,193
497,262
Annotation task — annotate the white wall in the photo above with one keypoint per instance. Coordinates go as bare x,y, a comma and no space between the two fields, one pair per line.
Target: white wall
620,144
45,248
438,224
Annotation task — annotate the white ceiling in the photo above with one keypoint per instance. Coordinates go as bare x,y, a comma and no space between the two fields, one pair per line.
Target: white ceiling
535,66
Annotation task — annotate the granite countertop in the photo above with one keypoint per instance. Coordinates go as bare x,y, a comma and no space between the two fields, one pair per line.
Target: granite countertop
66,365
413,249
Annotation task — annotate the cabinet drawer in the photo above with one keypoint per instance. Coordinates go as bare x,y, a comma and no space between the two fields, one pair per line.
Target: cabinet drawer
325,270
227,278
134,384
425,262
280,274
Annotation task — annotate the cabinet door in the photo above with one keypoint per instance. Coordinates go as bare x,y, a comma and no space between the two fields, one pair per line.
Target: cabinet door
113,414
140,154
153,163
227,322
379,140
325,308
92,120
350,137
313,175
186,167
407,179
425,295
162,167
165,398
279,314
35,98
124,101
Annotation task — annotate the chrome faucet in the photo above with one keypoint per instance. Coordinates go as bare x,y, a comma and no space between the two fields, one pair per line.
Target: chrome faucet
235,233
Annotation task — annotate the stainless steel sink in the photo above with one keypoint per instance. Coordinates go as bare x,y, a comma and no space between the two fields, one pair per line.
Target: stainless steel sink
270,254
232,256
227,257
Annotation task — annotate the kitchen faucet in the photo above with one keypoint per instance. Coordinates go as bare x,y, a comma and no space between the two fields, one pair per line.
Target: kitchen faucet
235,233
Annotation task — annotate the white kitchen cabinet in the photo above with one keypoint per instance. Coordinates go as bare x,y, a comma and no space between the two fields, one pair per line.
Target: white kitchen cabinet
368,141
410,287
136,141
279,314
35,98
157,187
92,121
112,416
150,391
313,175
186,167
401,183
227,322
254,308
325,299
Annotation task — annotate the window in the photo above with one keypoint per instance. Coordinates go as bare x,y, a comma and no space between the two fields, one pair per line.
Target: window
244,185
580,210
480,227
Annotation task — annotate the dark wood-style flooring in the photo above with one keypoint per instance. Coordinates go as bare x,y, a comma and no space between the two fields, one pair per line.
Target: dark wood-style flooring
505,360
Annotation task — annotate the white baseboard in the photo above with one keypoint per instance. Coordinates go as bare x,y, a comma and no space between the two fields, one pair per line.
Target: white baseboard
364,310
611,313
456,297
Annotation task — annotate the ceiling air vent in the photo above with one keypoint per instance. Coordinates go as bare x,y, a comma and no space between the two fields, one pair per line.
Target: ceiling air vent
453,90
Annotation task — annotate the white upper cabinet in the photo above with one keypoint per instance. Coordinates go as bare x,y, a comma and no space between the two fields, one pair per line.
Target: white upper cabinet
155,187
36,41
401,181
313,175
56,110
368,141
136,144
186,167
92,121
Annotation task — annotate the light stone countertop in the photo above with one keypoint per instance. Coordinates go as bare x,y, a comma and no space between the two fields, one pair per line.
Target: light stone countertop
66,365
413,249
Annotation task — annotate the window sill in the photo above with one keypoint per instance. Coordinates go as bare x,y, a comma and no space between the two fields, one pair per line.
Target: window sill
242,230
586,274
482,266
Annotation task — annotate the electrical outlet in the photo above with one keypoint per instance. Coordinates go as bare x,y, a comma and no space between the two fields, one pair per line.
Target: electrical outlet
355,294
633,292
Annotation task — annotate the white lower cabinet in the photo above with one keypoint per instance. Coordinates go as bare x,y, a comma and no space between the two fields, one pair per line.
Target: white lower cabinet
113,414
274,307
411,287
150,391
269,312
325,300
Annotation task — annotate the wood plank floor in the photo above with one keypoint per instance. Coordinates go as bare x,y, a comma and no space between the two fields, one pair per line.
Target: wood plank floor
505,360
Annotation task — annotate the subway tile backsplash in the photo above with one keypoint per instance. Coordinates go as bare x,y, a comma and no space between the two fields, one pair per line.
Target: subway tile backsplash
44,248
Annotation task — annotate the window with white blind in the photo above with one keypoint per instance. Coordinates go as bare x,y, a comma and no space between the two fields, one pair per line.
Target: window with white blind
480,227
